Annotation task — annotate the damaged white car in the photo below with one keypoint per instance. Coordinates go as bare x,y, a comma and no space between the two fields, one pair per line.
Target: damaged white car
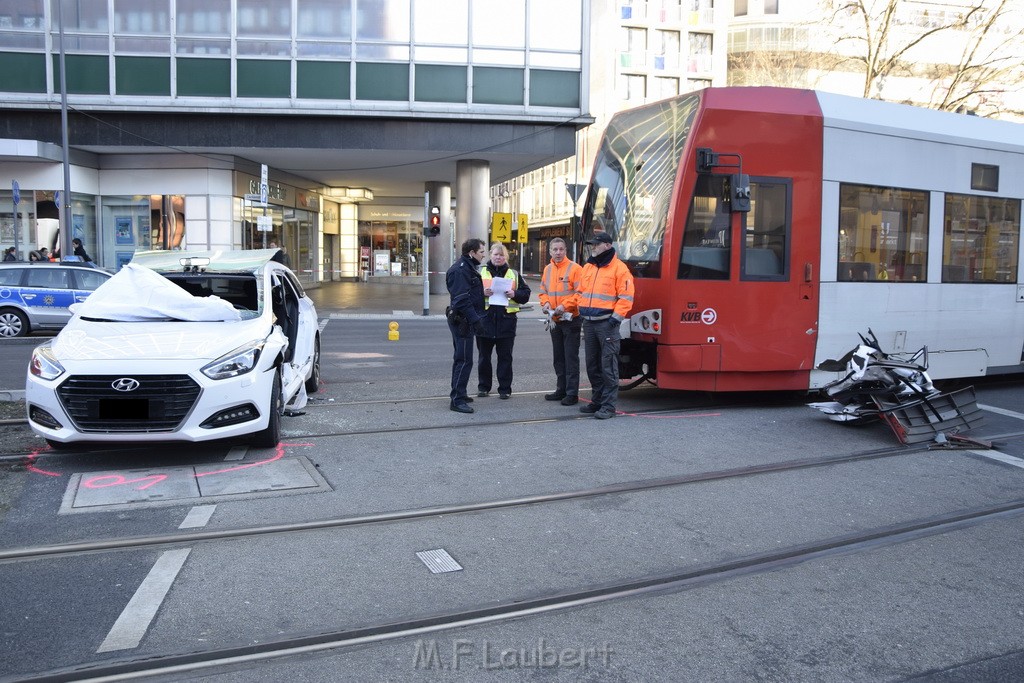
179,346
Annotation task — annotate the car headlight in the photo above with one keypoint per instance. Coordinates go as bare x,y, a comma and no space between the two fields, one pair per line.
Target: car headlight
44,364
238,362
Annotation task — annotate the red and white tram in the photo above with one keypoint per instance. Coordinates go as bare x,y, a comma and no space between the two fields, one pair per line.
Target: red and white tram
767,227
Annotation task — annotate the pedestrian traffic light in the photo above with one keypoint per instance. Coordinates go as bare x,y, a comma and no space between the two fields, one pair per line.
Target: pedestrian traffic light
435,221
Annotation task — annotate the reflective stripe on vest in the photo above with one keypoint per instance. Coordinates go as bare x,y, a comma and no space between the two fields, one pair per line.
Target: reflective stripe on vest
512,306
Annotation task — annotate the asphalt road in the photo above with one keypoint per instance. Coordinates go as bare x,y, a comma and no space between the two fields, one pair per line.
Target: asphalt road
718,538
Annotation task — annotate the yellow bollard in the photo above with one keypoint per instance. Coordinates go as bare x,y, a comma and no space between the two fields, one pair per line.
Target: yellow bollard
392,331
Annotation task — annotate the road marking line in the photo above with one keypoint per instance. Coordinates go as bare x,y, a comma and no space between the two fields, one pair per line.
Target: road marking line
1001,457
1002,411
237,453
323,323
134,621
198,516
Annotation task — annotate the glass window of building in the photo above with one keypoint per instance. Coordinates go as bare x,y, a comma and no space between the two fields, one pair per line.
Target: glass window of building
883,234
634,87
80,15
440,22
634,48
264,18
980,239
548,22
385,20
21,15
142,16
330,19
203,17
500,23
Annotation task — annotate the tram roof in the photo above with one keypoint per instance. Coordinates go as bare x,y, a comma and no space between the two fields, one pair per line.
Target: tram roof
874,116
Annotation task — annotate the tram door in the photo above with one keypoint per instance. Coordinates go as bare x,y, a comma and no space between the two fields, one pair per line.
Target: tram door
776,298
747,305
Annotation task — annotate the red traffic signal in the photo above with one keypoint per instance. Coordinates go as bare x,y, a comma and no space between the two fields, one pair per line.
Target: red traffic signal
435,221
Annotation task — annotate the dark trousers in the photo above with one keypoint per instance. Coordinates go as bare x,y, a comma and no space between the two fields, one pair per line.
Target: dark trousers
462,363
601,342
503,346
565,352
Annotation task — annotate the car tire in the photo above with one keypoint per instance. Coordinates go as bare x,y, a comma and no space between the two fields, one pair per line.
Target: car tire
271,436
313,383
13,323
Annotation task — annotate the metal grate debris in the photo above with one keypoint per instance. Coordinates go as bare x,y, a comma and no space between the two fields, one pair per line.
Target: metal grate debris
439,561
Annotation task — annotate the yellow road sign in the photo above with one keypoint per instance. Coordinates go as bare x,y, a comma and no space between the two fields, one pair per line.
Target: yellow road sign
523,225
501,227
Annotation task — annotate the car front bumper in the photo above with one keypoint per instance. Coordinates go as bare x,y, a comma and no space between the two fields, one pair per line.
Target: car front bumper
88,409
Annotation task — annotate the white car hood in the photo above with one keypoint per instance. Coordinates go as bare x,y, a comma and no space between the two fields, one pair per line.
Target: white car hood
87,340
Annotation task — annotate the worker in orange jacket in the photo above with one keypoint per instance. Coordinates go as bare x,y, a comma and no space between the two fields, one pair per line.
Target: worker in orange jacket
606,298
559,299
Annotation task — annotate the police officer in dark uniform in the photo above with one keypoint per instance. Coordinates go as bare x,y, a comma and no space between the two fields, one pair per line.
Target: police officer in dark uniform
465,317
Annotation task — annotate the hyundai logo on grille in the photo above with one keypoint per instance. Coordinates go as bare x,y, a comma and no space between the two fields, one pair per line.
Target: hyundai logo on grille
125,384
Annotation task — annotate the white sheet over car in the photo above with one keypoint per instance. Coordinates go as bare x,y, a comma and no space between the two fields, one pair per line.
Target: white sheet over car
136,293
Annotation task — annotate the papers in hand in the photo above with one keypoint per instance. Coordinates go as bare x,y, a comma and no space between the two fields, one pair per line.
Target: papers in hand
501,287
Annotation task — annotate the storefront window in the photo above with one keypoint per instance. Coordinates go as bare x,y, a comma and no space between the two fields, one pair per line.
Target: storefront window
16,225
293,230
139,223
395,247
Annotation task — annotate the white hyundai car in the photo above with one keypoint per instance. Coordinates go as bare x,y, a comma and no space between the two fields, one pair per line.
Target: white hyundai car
179,346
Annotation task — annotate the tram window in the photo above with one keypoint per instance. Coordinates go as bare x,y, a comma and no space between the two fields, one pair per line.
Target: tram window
766,232
706,238
980,238
883,234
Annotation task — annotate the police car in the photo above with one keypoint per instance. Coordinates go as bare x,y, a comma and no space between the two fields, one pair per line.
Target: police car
37,295
179,346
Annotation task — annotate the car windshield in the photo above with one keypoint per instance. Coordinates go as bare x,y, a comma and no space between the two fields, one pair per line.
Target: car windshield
138,294
241,290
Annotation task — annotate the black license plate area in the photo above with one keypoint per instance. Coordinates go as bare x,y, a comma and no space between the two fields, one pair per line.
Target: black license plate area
124,409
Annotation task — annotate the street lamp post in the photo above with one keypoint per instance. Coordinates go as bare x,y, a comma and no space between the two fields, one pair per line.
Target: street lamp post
64,212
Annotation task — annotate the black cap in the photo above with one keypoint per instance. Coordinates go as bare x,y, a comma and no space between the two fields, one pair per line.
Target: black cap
599,237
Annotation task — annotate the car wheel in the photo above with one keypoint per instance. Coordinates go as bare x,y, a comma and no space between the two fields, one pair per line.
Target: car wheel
269,437
313,383
13,323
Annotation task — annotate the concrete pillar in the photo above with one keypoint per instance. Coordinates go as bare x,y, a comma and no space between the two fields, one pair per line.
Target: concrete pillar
473,201
440,256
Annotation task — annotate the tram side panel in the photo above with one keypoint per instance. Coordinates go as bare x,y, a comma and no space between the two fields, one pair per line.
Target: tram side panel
891,280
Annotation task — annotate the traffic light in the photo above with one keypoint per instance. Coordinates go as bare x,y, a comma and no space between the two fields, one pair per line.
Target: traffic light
435,221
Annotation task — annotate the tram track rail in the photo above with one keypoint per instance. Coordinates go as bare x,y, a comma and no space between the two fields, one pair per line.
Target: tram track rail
192,537
115,447
680,579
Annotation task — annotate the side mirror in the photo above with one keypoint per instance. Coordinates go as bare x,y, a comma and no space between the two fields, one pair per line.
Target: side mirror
739,192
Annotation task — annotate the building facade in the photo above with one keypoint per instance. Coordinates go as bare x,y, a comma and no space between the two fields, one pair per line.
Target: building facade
643,51
174,107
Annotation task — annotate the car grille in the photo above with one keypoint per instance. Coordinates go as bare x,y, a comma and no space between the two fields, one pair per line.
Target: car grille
159,404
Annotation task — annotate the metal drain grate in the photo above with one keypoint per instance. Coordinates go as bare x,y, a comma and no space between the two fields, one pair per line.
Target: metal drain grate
439,561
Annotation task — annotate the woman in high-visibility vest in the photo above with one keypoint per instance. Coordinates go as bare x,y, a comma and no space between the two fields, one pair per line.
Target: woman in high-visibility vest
502,299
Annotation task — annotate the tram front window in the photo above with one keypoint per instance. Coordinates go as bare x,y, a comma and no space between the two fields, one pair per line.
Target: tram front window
634,178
